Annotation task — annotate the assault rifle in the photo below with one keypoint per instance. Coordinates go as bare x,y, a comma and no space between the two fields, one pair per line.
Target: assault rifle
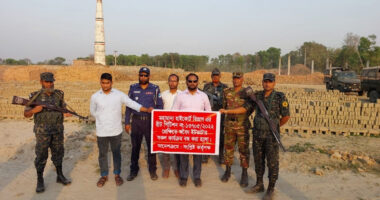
264,113
23,102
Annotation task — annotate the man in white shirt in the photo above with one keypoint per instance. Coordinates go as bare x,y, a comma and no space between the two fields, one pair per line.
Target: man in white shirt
168,97
105,106
191,99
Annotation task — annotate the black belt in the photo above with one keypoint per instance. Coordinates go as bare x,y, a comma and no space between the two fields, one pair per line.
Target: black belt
141,117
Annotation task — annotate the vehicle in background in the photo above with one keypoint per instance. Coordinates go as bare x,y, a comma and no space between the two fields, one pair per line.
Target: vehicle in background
346,81
370,82
327,79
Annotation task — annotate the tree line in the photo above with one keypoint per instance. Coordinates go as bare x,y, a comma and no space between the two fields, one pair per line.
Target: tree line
355,53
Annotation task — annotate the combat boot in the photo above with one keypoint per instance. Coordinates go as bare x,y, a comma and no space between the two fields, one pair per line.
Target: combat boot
40,182
269,195
259,187
60,178
244,178
226,174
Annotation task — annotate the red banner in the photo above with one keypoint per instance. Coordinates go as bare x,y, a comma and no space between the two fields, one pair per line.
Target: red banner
185,132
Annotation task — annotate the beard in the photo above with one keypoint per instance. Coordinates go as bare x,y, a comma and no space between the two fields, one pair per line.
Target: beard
143,82
192,88
48,90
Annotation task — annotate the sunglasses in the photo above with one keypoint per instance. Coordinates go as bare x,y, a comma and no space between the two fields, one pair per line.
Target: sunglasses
144,75
192,81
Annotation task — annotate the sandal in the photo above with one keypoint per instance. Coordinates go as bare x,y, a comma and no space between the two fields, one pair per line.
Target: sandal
119,181
102,181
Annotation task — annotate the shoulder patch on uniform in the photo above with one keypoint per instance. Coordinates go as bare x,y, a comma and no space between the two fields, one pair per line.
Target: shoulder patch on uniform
33,93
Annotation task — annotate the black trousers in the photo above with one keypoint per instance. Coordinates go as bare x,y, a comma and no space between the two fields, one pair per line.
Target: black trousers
103,144
140,129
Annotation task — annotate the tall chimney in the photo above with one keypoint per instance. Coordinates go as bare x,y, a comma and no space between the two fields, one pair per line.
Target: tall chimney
100,52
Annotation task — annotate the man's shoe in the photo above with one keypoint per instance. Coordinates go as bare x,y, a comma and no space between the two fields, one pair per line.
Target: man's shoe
131,176
40,184
198,182
269,195
226,174
182,182
61,178
102,180
244,178
118,180
165,173
259,187
153,176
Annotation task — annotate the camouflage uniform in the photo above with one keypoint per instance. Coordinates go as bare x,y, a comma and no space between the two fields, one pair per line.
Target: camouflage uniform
48,127
264,145
215,95
236,127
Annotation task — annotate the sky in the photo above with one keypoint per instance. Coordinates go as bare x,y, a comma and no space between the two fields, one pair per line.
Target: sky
45,29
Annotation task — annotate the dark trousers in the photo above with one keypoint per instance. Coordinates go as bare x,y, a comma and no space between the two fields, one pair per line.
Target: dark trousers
103,144
43,143
184,166
140,129
265,148
221,138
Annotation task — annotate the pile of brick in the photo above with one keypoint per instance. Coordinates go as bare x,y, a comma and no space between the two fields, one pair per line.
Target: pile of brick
313,111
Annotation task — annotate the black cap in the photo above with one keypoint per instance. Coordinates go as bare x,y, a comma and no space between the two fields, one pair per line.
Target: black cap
237,74
215,72
269,76
47,76
144,69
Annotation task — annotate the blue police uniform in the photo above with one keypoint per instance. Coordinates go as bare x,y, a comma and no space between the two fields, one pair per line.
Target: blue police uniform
141,122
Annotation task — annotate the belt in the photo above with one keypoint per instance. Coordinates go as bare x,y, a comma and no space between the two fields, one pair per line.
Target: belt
141,117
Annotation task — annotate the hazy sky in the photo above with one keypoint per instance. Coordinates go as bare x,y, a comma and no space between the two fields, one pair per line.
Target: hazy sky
44,29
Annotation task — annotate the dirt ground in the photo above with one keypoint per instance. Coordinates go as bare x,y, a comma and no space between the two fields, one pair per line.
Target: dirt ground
307,170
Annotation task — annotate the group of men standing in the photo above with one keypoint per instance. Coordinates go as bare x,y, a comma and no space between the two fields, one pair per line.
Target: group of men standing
233,103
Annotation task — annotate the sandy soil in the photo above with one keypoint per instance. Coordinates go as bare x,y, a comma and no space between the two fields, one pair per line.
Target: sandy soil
297,178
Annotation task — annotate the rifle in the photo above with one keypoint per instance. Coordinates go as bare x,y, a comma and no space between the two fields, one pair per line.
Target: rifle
21,101
214,99
264,113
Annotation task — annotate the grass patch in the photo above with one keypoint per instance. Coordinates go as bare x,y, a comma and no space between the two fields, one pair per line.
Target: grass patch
299,148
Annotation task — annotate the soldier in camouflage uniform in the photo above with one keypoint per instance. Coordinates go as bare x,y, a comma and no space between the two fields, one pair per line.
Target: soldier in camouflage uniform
48,128
264,144
214,91
236,128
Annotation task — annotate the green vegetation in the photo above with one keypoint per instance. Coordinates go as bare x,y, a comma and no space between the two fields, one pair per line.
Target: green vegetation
354,54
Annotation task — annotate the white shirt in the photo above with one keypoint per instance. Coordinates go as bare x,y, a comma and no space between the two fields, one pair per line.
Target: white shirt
168,99
106,108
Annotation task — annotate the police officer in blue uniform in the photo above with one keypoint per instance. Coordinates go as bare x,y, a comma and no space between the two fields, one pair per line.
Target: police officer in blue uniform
149,96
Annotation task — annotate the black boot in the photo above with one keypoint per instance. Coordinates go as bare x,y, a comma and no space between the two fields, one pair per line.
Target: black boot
40,182
244,178
269,195
60,178
226,174
259,187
